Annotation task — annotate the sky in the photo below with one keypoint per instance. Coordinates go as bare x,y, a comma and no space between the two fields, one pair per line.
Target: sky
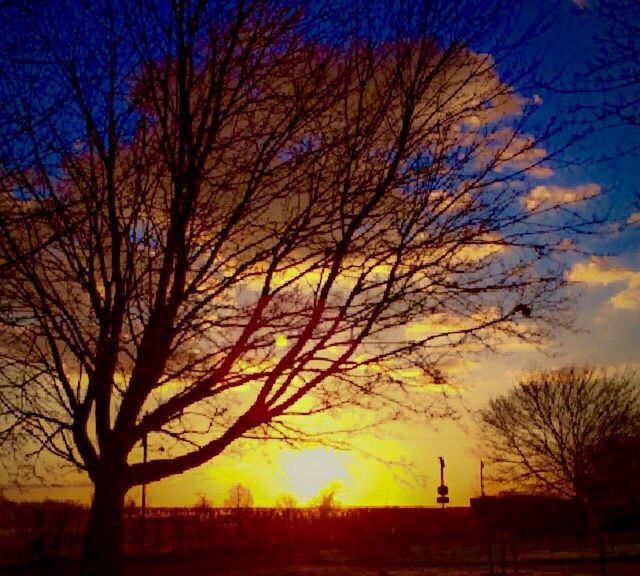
397,465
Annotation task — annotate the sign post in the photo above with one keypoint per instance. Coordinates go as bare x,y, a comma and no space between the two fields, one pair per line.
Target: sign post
443,489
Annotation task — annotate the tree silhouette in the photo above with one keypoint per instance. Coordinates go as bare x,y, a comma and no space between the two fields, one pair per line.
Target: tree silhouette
605,91
286,501
326,499
239,497
613,484
615,70
203,503
549,432
218,219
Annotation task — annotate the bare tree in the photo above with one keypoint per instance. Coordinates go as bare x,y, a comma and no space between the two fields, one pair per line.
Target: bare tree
327,499
604,92
239,497
614,73
545,433
203,503
286,501
219,219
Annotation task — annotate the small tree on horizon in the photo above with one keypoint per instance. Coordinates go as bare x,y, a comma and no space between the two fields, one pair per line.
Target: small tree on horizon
203,503
326,500
286,501
239,496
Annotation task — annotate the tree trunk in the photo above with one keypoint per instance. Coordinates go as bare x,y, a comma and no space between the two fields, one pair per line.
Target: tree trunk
103,552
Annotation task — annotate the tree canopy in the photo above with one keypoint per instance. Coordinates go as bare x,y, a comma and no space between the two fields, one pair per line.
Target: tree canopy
219,218
551,432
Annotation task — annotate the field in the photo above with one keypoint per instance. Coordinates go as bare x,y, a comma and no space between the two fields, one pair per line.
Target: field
45,540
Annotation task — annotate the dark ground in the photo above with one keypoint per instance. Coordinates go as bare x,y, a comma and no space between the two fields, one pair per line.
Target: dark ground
170,567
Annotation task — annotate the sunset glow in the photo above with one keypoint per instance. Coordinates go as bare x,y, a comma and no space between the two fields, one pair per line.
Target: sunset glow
372,242
319,283
311,471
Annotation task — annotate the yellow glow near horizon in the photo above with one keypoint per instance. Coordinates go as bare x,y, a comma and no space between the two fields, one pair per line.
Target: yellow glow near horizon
310,471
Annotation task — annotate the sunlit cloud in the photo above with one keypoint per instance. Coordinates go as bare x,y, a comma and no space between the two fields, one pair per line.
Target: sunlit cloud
566,244
542,196
487,245
515,152
634,218
601,272
517,345
437,324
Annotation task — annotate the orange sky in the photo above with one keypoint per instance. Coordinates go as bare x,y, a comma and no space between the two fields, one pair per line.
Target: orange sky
398,464
401,465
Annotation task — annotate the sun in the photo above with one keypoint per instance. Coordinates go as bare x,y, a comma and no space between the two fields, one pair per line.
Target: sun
309,471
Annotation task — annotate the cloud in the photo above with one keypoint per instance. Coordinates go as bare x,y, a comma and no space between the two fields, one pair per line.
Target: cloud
598,272
542,196
634,218
566,244
437,324
581,4
514,336
508,151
